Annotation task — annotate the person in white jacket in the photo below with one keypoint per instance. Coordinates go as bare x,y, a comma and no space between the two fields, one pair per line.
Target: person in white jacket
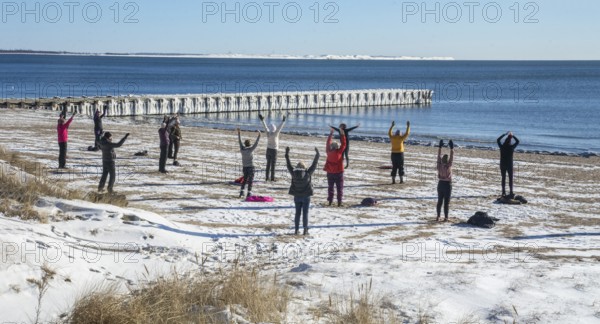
272,146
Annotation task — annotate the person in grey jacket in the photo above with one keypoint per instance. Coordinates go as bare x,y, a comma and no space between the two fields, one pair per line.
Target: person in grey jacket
247,150
272,146
108,159
301,188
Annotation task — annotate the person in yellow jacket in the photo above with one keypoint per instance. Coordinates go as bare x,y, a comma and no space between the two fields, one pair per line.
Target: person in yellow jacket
397,139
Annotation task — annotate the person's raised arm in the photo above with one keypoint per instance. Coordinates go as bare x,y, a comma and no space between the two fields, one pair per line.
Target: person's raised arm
391,129
280,127
287,160
313,166
439,157
500,139
70,119
405,136
516,142
352,128
122,141
328,144
240,139
262,120
257,139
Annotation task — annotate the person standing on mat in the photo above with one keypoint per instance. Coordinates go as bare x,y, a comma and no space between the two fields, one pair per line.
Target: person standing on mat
108,160
247,150
301,188
397,139
507,151
163,135
272,146
444,188
98,127
346,131
334,166
62,129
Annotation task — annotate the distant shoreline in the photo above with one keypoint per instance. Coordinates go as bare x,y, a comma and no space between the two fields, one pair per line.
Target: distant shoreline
235,56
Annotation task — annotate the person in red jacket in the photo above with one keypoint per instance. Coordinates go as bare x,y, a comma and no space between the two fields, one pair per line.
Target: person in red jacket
334,166
62,128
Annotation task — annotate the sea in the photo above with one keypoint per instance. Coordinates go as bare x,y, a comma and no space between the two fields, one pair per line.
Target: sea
551,106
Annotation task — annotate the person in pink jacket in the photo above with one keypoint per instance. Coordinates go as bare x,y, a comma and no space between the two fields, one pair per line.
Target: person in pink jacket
62,128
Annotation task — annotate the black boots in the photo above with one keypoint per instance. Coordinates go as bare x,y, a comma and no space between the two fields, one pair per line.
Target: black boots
304,233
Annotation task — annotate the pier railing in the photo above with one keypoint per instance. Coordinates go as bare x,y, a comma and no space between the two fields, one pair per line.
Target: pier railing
227,102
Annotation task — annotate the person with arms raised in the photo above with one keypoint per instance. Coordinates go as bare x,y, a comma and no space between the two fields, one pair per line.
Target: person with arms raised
397,139
301,188
334,166
507,150
247,150
108,160
272,146
444,188
62,129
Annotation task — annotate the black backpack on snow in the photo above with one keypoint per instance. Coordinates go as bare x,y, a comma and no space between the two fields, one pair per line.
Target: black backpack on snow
482,219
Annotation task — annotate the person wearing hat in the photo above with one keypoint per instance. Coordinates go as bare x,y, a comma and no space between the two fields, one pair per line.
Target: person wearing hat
507,150
334,166
163,135
272,146
108,160
301,188
62,129
247,150
444,188
397,139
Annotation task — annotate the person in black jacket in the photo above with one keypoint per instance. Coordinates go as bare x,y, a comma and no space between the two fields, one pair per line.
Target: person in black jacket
343,128
506,160
108,159
301,188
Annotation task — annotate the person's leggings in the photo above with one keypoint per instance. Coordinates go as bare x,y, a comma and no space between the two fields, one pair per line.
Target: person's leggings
62,155
346,152
444,190
397,164
108,169
504,170
336,179
176,145
302,206
248,178
271,161
162,162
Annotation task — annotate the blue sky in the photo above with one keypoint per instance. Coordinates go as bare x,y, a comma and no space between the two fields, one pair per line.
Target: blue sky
550,29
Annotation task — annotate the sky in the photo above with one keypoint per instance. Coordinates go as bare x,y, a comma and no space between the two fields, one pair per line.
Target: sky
480,30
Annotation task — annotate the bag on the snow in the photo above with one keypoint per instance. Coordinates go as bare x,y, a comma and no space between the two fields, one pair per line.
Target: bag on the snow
482,219
521,199
239,180
141,153
368,202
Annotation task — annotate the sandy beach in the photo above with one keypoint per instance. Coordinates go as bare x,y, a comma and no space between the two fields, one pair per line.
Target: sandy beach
539,264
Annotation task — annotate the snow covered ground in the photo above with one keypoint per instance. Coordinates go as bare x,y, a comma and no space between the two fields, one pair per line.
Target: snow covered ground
539,264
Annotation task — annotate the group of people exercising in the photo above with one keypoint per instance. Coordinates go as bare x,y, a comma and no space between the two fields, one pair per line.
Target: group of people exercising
301,187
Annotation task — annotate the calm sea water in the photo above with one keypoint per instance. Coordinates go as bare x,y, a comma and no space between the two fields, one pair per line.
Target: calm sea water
550,105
